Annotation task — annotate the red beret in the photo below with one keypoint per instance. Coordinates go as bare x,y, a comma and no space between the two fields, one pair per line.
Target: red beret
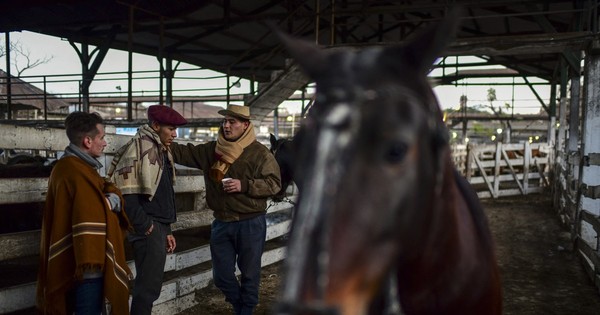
165,115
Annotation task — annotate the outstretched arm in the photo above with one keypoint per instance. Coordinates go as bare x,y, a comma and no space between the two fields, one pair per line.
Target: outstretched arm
190,155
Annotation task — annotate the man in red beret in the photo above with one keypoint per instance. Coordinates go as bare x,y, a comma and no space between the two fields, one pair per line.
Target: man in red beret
165,115
144,171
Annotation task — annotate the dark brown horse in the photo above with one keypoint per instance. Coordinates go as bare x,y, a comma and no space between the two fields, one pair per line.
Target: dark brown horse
283,151
380,203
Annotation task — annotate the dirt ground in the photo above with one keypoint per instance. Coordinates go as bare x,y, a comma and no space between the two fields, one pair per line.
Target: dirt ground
540,271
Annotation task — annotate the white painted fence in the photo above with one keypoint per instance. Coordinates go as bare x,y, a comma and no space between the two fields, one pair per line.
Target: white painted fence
177,293
507,169
577,170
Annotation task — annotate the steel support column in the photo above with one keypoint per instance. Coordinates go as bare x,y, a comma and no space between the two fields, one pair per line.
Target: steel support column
8,78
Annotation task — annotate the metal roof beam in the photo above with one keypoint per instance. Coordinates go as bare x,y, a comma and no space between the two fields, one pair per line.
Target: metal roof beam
520,44
549,28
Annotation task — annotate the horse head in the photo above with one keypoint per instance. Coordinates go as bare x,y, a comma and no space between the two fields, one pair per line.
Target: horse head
374,159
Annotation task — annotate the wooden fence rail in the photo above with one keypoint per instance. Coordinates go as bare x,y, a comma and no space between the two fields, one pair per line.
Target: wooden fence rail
507,169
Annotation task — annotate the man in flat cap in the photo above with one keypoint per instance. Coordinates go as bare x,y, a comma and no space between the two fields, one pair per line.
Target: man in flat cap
144,171
239,174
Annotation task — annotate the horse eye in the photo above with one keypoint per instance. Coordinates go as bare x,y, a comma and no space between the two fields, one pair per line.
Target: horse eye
396,152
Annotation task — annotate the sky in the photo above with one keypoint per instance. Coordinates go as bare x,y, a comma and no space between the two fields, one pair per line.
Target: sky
65,61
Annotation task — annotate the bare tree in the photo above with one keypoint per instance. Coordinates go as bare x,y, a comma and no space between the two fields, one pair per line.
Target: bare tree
21,57
463,102
506,125
491,97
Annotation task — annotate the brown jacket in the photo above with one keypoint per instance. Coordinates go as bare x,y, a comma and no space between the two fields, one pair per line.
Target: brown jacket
256,168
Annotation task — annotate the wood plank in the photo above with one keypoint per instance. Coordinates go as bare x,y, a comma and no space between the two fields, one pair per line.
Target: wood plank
21,190
503,178
527,157
191,219
512,171
508,192
589,253
274,206
194,282
587,266
278,230
592,219
21,244
191,257
176,305
168,291
491,148
53,139
17,298
484,175
514,162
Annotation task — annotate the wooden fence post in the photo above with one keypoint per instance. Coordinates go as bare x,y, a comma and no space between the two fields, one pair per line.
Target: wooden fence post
589,186
526,166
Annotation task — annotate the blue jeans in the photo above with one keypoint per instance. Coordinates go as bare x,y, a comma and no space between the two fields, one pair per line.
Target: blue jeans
89,296
242,242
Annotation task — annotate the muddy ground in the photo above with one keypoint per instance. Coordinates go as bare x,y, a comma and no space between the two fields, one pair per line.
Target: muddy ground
541,273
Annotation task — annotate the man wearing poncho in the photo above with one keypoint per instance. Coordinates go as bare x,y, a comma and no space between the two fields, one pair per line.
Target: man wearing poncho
82,259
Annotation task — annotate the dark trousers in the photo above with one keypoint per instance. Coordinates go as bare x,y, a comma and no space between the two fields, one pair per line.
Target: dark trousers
242,242
150,253
89,296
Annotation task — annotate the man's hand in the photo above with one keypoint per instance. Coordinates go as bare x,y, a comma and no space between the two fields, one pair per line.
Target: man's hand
150,229
171,243
232,186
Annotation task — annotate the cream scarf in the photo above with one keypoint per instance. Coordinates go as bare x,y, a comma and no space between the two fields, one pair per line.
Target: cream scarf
138,165
228,151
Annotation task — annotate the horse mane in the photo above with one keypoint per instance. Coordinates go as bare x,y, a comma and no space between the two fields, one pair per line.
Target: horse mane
475,208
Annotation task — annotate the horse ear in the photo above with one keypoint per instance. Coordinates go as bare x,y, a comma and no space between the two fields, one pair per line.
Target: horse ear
423,49
273,140
309,56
